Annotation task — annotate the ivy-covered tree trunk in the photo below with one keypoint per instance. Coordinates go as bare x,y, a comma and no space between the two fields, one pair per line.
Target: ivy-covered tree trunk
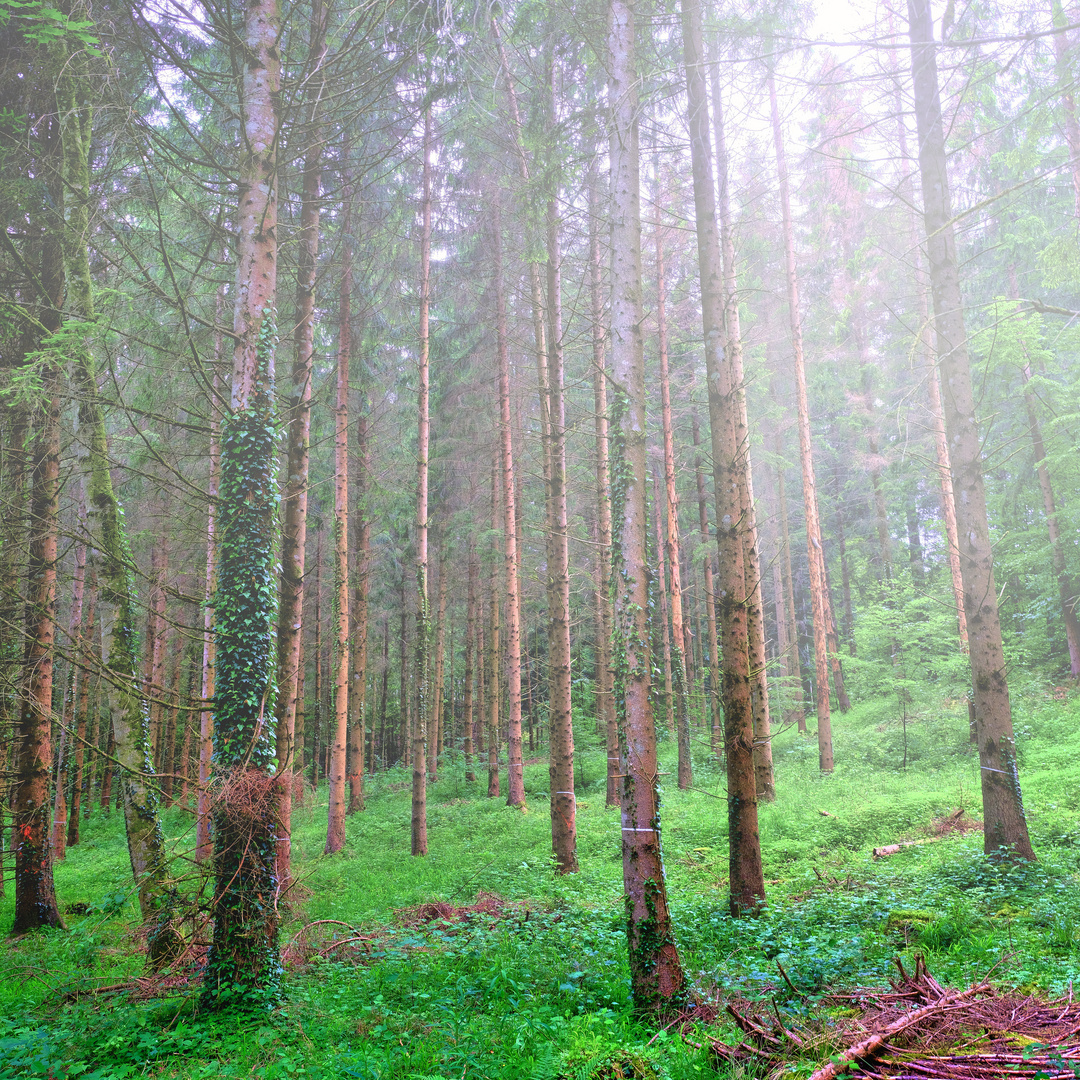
243,966
1005,827
657,981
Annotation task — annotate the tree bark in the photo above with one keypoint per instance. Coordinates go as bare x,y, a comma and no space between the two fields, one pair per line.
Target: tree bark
243,965
1003,814
82,707
755,612
657,981
423,617
358,712
685,777
203,845
605,678
814,552
35,893
494,657
729,466
515,767
435,720
335,828
560,714
470,652
716,717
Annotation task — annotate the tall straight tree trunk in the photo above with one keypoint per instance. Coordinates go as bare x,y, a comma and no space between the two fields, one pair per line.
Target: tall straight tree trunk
335,827
297,413
605,681
661,587
423,618
1066,587
792,660
755,612
359,613
203,845
657,981
494,656
82,708
156,636
470,651
515,766
716,718
560,713
814,553
35,893
67,721
1005,827
243,965
727,428
129,717
671,535
317,650
435,719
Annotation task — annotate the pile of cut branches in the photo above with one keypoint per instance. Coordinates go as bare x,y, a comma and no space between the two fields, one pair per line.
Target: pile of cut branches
918,1029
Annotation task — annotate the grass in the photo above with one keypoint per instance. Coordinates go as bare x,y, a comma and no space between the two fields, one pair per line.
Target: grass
545,994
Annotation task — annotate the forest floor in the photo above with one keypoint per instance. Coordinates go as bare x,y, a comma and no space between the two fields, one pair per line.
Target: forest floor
479,961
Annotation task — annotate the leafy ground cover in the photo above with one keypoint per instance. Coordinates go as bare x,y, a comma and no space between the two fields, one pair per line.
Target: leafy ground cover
533,984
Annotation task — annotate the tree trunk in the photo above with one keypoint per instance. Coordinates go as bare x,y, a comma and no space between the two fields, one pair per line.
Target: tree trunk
335,827
515,767
1003,814
203,845
470,647
728,430
297,413
419,770
358,695
660,584
1066,588
82,708
435,719
35,894
814,551
129,720
243,965
67,720
755,612
560,715
657,981
494,658
1066,79
670,540
716,718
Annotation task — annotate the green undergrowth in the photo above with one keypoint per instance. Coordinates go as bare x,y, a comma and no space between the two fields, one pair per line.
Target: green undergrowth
541,992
